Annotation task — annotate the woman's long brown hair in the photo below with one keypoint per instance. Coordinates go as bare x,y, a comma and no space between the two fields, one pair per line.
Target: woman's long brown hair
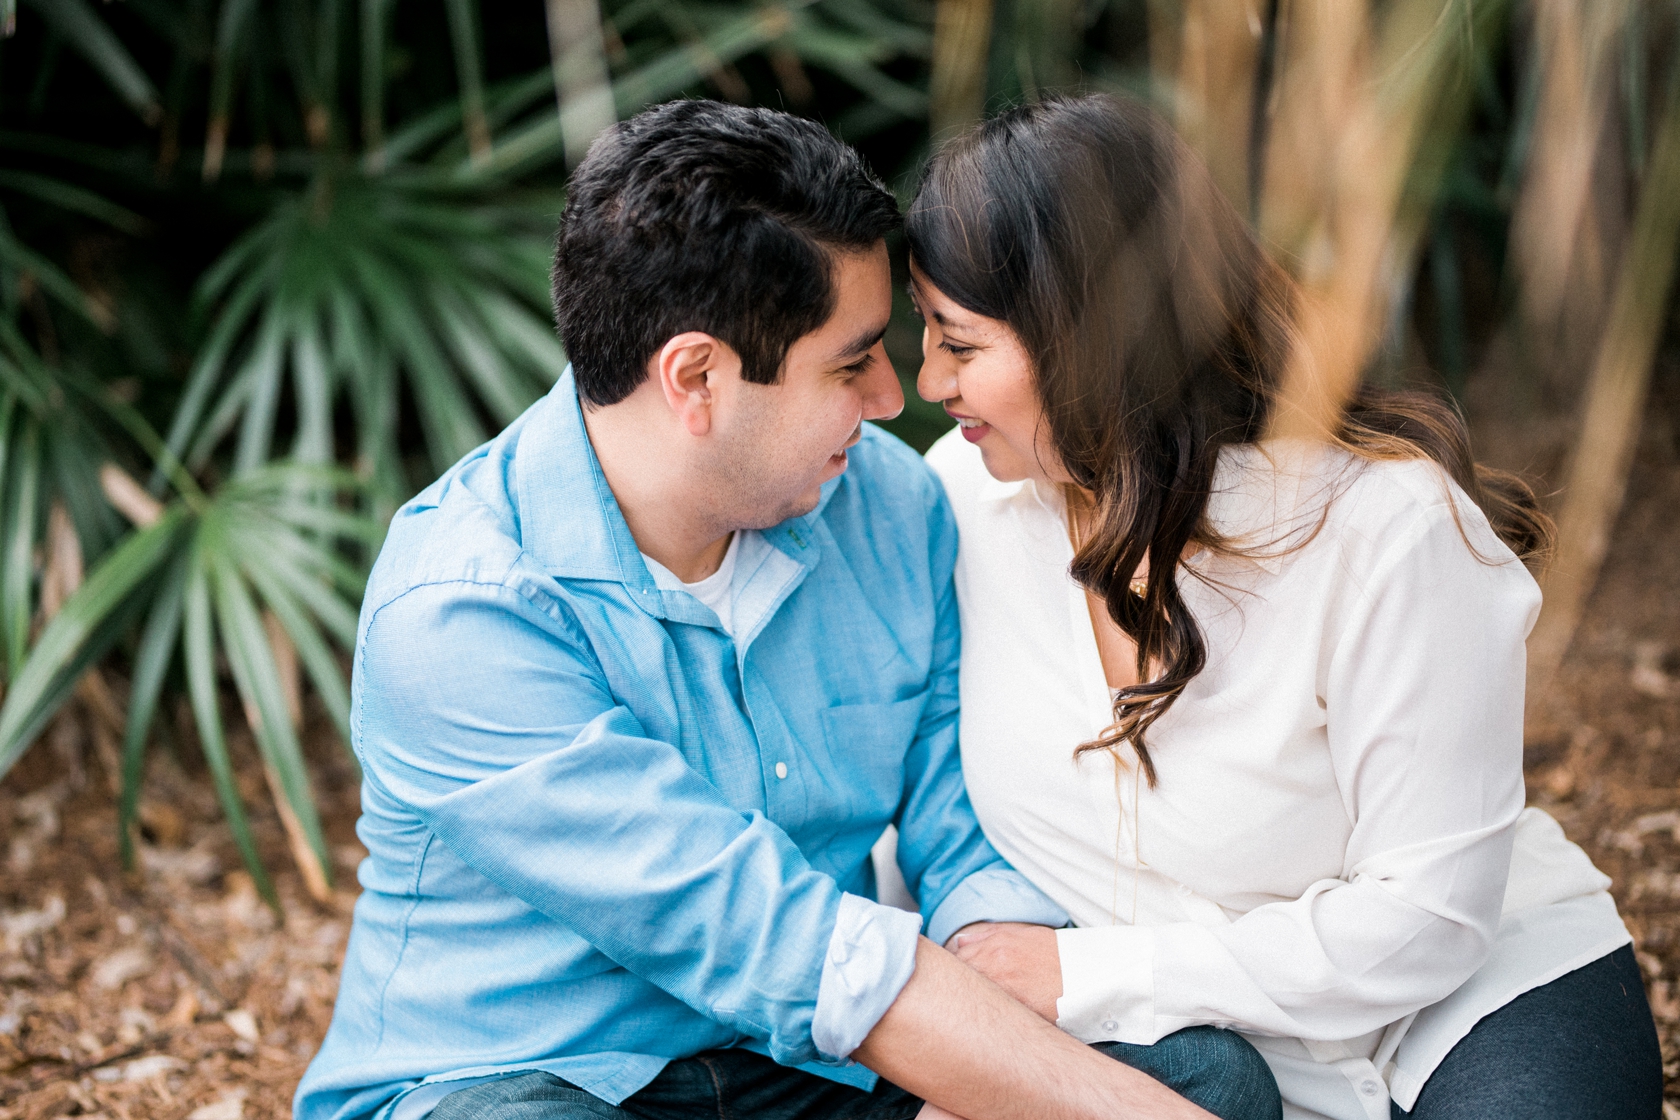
1158,329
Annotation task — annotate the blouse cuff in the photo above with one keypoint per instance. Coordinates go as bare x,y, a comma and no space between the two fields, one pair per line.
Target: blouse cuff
871,954
1108,984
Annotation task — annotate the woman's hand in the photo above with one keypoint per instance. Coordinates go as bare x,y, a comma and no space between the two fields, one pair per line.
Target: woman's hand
1021,959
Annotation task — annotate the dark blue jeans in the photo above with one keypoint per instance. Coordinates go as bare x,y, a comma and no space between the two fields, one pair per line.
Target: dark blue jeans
1580,1048
1217,1069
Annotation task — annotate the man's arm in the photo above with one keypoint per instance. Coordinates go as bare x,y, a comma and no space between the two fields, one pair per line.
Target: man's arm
959,1041
481,709
951,869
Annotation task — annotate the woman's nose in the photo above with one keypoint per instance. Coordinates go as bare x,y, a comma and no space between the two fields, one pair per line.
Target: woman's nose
935,381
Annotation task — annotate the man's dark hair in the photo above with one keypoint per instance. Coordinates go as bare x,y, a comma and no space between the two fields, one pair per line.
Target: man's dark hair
702,216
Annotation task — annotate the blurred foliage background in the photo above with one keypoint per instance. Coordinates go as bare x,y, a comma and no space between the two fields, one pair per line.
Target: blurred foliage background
268,266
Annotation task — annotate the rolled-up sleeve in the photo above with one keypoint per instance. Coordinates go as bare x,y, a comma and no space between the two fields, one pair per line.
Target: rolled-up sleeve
871,956
519,760
1423,694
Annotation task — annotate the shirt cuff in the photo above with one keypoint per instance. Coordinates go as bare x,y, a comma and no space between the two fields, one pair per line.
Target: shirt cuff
871,954
996,894
1108,984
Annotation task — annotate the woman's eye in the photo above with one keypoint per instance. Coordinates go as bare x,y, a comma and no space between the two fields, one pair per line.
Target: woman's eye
956,351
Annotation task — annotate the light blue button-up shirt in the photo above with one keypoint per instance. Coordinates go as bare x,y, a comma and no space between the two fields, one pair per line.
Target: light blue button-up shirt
604,833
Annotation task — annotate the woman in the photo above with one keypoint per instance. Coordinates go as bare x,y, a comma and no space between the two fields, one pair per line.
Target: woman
1250,710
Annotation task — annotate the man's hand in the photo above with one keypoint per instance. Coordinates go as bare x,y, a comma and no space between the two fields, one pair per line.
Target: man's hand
1021,959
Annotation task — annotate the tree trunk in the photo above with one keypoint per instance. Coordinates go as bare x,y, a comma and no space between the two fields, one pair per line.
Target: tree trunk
1612,409
581,82
962,37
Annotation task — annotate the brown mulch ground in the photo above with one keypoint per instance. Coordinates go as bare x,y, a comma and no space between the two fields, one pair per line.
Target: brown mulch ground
174,992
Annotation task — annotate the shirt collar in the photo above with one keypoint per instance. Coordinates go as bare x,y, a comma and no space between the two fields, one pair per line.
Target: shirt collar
991,490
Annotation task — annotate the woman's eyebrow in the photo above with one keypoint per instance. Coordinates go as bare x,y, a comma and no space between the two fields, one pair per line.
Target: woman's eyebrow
938,317
961,326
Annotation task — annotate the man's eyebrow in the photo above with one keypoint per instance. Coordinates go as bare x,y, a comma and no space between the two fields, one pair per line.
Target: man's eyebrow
863,342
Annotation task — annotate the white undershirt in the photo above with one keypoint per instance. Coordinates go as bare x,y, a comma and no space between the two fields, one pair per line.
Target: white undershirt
1336,859
717,590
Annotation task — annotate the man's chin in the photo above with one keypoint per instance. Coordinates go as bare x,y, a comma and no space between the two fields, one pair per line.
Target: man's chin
800,506
806,500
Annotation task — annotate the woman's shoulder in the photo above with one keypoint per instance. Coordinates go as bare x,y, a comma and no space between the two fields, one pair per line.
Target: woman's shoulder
1325,498
1392,499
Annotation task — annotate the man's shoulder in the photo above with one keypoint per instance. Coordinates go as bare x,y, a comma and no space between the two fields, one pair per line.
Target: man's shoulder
463,529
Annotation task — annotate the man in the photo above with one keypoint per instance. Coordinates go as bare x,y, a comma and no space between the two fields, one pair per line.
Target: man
640,682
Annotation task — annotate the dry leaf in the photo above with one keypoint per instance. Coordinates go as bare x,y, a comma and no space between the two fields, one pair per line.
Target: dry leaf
20,925
120,967
229,1107
155,1065
243,1024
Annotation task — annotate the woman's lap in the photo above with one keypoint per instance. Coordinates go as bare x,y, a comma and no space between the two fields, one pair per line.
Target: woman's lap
1217,1069
1580,1048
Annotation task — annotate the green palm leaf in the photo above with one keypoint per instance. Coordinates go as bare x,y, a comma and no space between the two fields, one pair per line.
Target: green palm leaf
445,288
201,575
82,28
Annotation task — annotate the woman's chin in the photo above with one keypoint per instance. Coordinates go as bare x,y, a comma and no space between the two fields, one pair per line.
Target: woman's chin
1002,463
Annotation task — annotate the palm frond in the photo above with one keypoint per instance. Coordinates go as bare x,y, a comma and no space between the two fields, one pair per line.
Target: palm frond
81,27
201,575
357,267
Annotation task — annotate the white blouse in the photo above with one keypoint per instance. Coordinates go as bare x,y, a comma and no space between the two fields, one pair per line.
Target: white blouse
1336,860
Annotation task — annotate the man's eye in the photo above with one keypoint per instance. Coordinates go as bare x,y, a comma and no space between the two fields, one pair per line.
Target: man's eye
861,365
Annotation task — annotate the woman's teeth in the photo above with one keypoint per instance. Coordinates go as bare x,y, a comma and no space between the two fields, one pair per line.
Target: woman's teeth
970,422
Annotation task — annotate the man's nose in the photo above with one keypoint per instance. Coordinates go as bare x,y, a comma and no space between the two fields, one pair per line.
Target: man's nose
883,396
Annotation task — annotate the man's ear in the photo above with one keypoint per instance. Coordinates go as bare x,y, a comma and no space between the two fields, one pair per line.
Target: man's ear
688,369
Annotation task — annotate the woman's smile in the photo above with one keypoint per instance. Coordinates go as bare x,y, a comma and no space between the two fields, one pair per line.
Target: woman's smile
973,429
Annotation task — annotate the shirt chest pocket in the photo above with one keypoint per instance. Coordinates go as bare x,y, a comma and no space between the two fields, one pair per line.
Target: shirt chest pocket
867,746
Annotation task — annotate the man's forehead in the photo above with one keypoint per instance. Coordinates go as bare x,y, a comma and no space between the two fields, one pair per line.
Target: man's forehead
863,304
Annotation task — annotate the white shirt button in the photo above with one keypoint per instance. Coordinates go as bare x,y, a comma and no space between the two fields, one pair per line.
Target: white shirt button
781,769
1110,1025
1369,1088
